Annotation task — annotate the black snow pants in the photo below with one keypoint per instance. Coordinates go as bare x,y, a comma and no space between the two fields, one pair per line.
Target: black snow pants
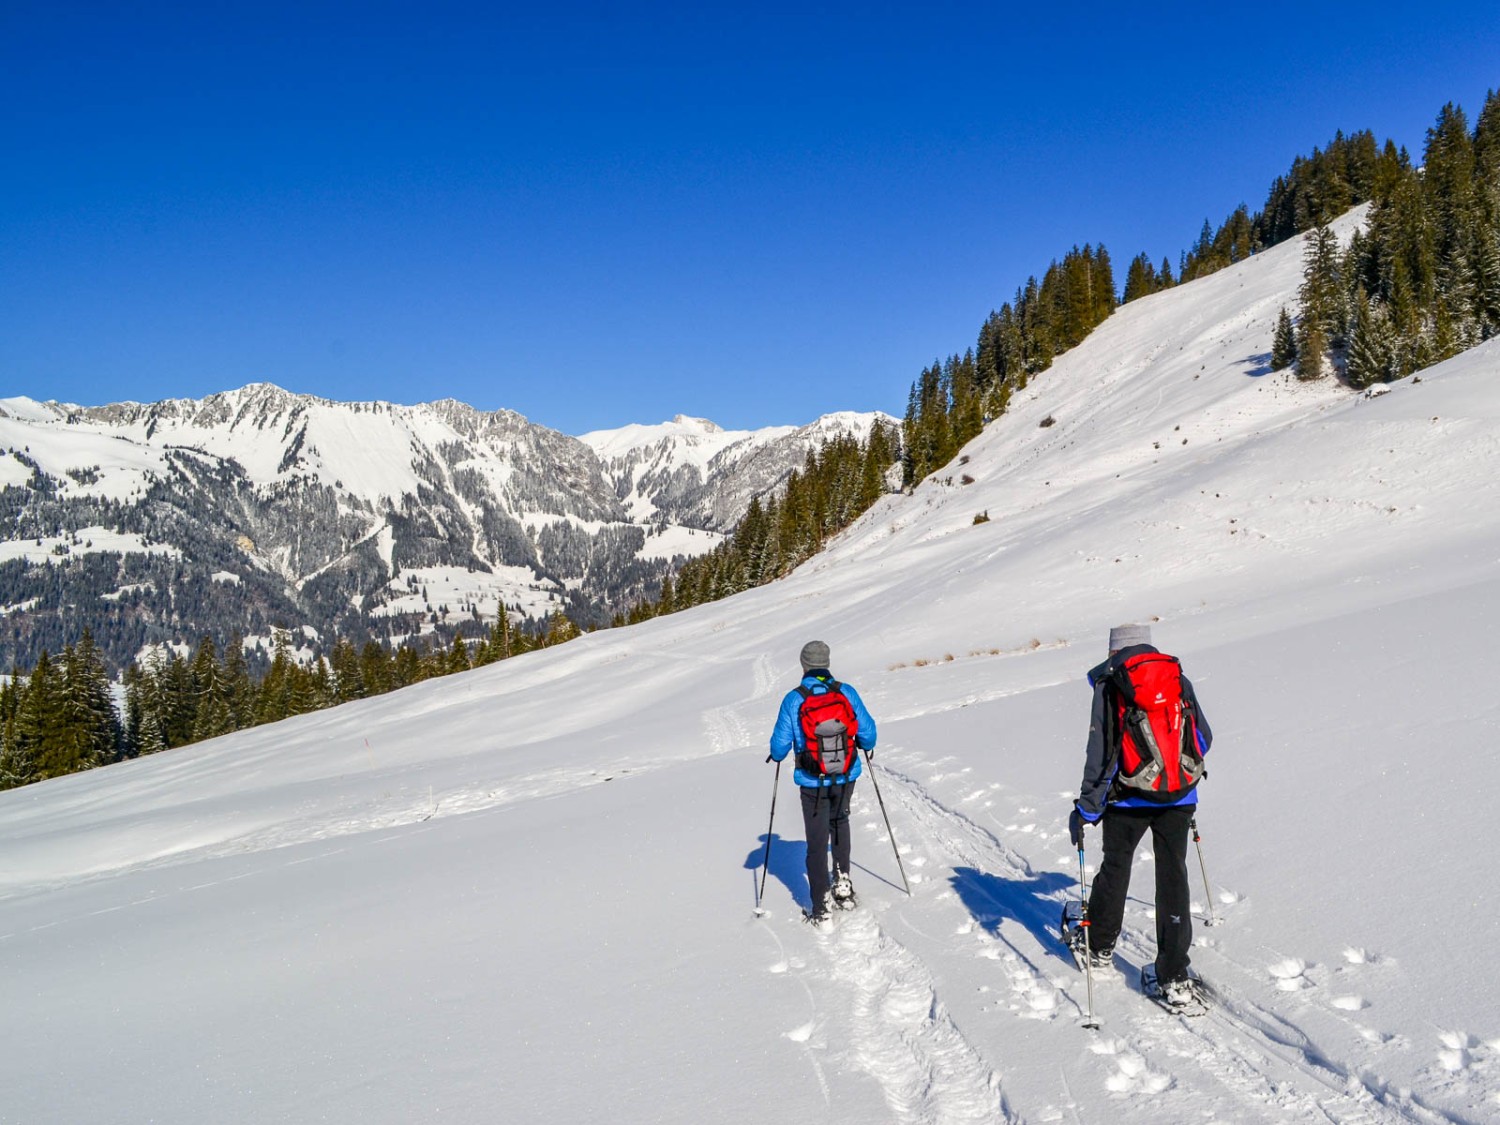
825,815
1123,829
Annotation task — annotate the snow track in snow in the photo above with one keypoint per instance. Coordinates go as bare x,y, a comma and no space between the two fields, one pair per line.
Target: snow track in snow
902,1035
1250,1063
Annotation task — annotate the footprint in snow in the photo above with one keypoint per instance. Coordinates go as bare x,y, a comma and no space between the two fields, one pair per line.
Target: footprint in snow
1350,1003
1462,1053
1288,974
1031,996
1131,1075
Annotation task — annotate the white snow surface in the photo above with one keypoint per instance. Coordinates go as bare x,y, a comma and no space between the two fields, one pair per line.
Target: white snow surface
526,893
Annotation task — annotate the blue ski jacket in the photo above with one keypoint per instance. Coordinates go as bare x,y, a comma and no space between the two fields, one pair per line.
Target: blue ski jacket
788,731
1102,761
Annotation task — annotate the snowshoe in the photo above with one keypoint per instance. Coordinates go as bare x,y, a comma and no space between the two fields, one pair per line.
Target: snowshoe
844,897
1073,936
1186,997
820,916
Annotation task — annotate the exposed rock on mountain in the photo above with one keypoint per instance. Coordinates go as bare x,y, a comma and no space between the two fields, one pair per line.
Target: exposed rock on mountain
259,508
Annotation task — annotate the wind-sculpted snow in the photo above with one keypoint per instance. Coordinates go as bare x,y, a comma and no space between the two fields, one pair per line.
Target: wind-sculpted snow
528,892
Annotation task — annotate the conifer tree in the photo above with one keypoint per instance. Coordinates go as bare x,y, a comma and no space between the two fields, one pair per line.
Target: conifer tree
153,741
9,700
1312,348
406,665
274,697
215,714
1284,344
1140,278
307,688
179,701
1320,295
38,733
1487,275
149,705
22,731
1371,353
91,704
458,655
347,682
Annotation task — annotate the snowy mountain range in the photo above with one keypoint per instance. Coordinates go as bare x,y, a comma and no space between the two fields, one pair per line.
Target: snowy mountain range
258,507
526,892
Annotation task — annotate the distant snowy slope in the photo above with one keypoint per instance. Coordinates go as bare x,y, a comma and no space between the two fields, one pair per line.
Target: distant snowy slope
525,893
691,471
356,517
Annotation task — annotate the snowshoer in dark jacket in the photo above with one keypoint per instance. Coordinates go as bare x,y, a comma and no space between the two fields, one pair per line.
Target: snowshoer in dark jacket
1118,793
826,777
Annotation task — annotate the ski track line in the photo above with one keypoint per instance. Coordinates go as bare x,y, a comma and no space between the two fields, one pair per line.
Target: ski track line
902,1035
976,847
801,1034
1135,1072
1281,1037
1253,1053
727,728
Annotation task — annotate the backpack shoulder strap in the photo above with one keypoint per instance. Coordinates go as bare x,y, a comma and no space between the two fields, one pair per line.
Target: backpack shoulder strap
807,692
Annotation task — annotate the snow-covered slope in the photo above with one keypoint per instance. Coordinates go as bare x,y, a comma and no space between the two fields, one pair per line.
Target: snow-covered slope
694,473
526,893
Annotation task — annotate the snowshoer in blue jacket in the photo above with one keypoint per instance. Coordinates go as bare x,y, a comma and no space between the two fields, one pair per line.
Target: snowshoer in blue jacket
816,721
1133,790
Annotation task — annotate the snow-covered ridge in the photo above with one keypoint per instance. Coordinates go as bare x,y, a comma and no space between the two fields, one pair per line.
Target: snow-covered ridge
328,504
697,474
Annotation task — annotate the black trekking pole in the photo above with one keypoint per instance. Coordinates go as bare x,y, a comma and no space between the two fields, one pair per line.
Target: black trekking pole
1088,953
1208,893
766,863
899,865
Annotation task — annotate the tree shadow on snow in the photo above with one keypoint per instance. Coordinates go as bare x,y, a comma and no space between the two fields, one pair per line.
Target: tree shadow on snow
1034,901
788,865
1258,364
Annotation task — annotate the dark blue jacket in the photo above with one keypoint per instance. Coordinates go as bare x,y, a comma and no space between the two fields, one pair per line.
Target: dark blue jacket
788,730
1102,761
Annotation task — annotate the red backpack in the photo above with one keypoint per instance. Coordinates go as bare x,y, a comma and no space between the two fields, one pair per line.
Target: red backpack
1157,730
829,727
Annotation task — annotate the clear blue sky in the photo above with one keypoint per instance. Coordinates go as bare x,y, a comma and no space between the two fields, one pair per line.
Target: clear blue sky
598,214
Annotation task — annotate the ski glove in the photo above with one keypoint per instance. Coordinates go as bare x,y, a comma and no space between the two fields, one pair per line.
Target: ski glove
1077,821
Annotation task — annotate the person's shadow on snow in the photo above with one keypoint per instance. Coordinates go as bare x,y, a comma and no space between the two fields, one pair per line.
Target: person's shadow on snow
788,864
1035,901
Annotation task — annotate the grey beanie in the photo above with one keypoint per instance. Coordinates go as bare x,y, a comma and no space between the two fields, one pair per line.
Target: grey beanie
1123,636
814,655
